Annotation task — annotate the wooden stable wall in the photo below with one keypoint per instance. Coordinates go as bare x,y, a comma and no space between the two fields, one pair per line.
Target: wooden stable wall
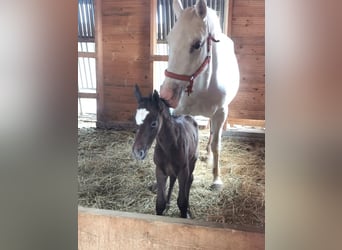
248,33
123,59
247,29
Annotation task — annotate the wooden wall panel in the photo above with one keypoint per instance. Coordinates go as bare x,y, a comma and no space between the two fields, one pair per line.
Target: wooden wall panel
248,34
125,59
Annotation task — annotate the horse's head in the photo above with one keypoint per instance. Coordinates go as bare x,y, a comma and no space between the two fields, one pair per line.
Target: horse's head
188,48
149,119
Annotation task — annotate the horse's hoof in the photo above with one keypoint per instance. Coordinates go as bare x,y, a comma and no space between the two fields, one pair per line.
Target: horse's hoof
188,215
217,185
153,188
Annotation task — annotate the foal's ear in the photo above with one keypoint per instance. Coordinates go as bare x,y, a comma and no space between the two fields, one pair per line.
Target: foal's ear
157,100
137,93
201,8
177,7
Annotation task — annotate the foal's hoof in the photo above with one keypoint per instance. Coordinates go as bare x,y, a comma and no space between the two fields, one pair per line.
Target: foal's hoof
153,188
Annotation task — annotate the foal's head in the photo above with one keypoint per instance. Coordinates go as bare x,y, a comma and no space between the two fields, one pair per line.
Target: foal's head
149,119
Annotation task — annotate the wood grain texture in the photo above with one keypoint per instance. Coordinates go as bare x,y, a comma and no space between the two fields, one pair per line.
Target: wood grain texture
104,229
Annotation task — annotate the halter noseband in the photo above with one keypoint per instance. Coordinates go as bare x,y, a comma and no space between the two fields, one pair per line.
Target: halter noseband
192,77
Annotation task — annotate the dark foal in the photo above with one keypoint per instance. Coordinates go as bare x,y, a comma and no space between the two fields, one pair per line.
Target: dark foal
175,152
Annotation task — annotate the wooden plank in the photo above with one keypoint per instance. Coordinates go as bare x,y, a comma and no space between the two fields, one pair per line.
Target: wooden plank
249,49
247,122
246,114
87,54
249,8
104,229
87,95
229,17
248,26
99,62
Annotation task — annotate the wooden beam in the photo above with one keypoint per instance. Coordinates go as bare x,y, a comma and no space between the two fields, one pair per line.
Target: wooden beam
105,229
87,54
99,60
87,95
160,58
246,122
229,20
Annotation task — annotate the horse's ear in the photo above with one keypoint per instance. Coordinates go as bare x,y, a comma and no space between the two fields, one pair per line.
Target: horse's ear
137,93
177,7
201,8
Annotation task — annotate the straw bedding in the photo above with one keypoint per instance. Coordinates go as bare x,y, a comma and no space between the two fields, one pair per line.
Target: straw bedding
109,178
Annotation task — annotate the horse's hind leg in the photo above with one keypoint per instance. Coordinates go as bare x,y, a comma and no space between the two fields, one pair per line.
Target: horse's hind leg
172,183
161,197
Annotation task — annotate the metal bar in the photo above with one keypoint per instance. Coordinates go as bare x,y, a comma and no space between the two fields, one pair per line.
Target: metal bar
90,74
80,77
159,31
173,18
86,85
79,21
83,30
87,12
164,19
92,19
167,18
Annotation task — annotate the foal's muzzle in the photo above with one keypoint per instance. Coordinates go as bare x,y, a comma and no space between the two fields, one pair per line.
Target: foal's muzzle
139,154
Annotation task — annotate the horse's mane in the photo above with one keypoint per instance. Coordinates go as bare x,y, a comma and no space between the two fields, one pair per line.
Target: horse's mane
213,22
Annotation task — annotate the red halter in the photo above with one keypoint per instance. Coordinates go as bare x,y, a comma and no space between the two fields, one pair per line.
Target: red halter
192,77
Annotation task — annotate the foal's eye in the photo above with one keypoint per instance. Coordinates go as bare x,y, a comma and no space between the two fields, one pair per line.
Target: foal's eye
154,124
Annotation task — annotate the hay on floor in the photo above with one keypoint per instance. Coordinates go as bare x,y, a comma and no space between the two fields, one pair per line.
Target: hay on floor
109,178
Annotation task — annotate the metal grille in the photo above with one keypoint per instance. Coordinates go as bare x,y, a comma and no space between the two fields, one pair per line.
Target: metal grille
86,21
166,17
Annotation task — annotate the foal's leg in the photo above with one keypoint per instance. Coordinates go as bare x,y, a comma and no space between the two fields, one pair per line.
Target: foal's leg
172,183
217,124
161,197
183,193
191,178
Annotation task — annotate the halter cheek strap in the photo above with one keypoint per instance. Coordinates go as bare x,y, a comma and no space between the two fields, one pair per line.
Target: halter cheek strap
191,78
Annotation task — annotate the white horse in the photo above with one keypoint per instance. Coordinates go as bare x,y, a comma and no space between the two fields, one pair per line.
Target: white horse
203,76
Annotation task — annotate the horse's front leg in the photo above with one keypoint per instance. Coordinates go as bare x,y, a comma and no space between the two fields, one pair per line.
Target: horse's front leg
161,196
209,151
216,128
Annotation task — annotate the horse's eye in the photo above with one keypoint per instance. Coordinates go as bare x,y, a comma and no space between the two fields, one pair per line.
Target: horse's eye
154,124
197,45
